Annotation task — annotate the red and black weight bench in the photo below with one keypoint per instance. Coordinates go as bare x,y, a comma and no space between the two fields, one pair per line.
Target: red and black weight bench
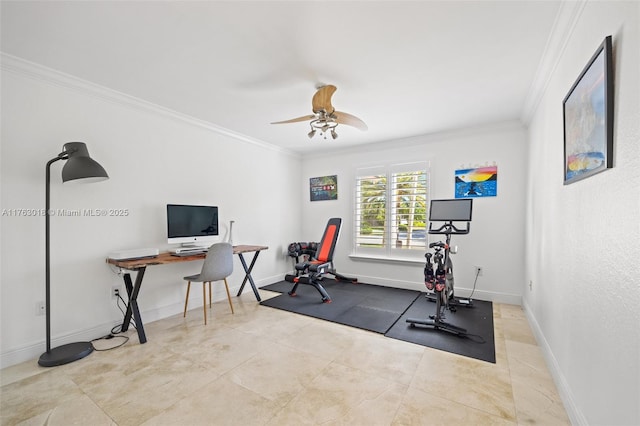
320,263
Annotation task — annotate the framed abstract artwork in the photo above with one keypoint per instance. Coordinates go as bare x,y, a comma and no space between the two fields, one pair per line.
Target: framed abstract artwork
588,118
323,188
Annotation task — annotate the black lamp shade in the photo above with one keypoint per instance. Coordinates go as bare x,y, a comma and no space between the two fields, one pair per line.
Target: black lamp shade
80,165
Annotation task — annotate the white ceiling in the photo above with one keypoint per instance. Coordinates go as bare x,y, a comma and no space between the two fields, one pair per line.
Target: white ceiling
405,68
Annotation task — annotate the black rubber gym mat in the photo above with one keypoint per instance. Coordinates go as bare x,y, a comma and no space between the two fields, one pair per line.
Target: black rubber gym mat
370,307
385,310
478,343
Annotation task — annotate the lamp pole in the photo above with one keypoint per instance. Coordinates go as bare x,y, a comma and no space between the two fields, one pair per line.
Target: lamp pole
47,249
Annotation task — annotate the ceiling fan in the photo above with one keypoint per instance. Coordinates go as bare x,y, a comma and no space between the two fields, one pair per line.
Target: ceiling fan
325,118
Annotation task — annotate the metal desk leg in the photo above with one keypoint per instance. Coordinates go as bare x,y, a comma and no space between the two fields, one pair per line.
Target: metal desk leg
132,306
247,275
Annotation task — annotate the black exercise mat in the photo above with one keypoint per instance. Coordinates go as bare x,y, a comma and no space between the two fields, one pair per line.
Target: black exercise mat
478,320
370,307
279,287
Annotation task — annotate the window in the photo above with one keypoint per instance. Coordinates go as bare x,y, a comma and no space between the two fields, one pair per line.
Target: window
391,210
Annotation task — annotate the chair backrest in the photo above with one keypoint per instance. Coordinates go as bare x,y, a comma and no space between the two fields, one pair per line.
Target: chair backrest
327,245
219,262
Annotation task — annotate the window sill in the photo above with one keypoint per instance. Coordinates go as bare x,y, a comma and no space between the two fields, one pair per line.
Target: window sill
374,258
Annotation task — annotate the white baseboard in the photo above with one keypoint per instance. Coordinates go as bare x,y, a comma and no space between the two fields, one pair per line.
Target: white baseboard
575,415
512,299
34,350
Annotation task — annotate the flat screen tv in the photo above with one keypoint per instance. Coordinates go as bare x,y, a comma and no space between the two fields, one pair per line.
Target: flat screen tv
451,210
192,225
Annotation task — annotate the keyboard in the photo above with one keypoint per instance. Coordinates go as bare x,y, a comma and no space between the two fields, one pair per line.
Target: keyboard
189,253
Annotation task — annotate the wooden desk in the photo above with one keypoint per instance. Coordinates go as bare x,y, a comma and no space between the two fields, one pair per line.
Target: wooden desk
140,266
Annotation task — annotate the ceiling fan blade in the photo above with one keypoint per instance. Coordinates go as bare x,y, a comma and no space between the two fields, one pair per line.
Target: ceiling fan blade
322,99
350,120
295,120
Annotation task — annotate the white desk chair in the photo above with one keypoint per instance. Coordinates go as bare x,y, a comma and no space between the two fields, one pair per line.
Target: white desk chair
218,265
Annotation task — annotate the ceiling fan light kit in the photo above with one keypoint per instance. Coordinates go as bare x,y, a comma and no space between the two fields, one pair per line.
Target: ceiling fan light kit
325,118
324,123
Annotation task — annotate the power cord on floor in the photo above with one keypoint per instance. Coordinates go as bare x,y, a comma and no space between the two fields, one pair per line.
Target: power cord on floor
474,337
474,283
131,321
113,334
109,337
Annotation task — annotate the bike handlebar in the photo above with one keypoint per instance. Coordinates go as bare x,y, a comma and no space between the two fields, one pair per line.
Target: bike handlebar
449,228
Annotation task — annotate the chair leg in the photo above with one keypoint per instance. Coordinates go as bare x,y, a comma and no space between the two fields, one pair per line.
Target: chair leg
209,294
186,299
204,301
228,295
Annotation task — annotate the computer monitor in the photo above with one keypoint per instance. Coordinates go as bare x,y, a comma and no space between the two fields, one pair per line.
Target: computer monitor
451,210
192,225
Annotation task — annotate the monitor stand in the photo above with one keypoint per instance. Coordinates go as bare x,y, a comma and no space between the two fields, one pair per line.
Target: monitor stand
188,249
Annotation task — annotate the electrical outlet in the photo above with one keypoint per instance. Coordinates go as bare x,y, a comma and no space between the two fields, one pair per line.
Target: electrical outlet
115,292
479,271
41,308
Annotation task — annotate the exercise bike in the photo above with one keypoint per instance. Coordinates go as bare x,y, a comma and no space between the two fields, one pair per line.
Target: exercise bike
449,291
440,280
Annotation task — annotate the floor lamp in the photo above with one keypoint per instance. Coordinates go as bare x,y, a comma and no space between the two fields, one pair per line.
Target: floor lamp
79,167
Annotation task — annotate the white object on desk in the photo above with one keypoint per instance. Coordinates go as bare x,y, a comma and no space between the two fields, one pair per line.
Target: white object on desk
231,232
134,253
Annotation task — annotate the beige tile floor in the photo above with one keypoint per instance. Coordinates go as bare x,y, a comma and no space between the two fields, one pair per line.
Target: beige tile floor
263,366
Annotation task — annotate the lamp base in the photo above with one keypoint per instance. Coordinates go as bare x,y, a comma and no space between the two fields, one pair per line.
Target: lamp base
65,354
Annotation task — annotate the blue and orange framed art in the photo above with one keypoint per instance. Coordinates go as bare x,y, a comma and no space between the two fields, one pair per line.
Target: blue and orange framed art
477,182
588,118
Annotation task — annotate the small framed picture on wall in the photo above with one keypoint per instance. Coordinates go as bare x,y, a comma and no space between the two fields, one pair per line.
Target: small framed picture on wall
323,188
477,182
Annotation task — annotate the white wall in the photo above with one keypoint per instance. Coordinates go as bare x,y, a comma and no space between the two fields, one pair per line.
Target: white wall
496,240
153,157
583,240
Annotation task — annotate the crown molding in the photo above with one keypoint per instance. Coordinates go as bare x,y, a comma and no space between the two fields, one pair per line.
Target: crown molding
561,32
507,126
35,71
